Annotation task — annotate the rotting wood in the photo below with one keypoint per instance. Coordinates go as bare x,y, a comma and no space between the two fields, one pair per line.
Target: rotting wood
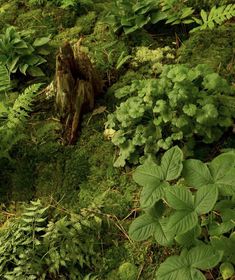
76,84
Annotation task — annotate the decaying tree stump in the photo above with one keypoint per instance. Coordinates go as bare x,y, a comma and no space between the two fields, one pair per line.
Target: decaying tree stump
76,84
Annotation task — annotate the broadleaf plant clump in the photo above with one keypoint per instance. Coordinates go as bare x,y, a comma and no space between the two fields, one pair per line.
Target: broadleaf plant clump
189,203
182,104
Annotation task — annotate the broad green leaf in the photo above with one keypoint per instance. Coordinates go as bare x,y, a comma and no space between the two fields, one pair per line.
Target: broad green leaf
157,209
196,173
221,165
226,245
179,198
171,163
219,229
162,235
23,68
204,257
12,64
204,15
178,268
182,221
189,238
152,193
35,71
41,41
186,12
142,227
157,16
148,174
205,199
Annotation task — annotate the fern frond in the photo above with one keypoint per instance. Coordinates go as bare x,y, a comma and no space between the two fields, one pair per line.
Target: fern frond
216,16
12,131
5,83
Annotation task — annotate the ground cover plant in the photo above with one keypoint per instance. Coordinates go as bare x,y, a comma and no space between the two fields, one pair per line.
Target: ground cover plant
198,218
182,103
146,192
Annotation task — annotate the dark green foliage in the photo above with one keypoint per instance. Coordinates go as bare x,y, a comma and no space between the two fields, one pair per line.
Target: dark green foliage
11,130
182,104
203,190
130,16
5,82
46,244
45,21
19,54
105,49
214,48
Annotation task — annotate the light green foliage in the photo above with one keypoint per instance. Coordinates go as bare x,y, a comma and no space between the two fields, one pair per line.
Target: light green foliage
216,16
184,211
212,47
11,129
182,104
149,62
18,53
46,244
227,270
127,271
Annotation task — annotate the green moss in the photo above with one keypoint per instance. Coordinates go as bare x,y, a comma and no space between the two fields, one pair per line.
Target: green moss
212,47
46,21
87,22
84,25
69,34
8,13
105,48
128,271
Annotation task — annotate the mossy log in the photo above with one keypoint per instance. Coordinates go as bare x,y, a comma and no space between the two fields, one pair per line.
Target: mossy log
76,84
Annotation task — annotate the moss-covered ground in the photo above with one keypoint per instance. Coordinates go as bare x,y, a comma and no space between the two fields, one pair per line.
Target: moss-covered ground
82,175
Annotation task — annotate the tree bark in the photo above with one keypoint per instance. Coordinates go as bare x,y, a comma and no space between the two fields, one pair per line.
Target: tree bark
76,83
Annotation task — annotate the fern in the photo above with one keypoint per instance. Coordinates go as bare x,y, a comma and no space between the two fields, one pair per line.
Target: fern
216,16
12,129
5,83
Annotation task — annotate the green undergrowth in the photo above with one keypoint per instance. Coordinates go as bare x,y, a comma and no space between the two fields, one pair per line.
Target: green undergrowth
212,47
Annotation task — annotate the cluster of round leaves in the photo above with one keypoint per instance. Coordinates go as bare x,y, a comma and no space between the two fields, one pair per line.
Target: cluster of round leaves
181,104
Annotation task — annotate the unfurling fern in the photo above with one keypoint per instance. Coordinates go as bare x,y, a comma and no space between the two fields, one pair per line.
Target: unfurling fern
12,129
216,16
